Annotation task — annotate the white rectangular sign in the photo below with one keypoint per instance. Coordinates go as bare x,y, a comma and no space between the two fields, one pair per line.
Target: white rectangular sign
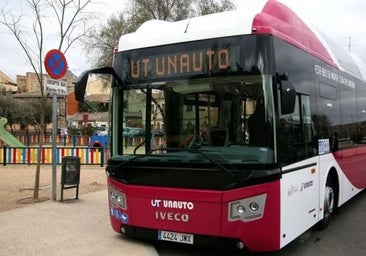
323,146
55,86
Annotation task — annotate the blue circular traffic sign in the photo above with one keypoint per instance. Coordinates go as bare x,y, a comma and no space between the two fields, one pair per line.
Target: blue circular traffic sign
55,63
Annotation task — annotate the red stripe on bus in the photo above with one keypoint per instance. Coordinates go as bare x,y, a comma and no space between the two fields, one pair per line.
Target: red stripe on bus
353,163
277,19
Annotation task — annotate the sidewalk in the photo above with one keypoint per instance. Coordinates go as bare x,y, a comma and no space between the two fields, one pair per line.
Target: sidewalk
74,227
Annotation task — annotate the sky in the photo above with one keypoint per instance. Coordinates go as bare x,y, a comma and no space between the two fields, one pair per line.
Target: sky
343,21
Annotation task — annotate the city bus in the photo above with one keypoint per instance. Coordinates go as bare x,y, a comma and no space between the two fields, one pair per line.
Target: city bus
253,130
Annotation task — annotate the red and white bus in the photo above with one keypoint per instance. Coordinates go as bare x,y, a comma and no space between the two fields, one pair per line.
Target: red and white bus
253,129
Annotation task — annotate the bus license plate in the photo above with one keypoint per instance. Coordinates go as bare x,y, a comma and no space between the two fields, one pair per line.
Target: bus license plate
175,237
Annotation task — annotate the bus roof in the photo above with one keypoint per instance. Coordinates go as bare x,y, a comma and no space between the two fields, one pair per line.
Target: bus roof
275,18
158,32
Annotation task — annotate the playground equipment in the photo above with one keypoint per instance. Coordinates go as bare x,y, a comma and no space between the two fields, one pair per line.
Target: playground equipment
6,136
99,141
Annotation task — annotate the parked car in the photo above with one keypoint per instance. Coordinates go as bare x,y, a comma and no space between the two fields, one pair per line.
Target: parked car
135,131
126,130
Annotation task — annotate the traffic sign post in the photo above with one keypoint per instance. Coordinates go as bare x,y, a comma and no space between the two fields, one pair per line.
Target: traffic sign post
56,67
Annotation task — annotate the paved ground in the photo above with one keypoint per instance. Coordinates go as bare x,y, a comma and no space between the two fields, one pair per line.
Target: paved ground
17,183
74,227
81,227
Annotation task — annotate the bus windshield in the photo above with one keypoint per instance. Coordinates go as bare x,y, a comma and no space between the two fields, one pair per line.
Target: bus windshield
227,119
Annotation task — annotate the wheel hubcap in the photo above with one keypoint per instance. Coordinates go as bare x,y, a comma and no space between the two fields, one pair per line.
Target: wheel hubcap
328,201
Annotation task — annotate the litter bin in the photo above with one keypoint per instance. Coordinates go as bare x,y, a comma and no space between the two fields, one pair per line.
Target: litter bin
70,176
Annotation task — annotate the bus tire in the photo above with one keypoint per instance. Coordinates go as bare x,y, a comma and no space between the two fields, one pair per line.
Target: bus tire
328,204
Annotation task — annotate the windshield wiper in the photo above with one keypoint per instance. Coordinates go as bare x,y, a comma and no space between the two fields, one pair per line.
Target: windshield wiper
112,169
220,166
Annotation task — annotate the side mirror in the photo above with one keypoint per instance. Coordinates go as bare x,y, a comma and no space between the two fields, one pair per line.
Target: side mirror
288,97
82,80
80,86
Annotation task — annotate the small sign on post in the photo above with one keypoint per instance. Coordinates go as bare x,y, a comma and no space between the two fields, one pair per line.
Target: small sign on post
53,86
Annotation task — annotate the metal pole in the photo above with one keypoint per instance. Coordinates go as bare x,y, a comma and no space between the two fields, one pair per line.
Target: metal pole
54,145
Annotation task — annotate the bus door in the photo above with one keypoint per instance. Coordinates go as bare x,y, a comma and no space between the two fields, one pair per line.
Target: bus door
300,180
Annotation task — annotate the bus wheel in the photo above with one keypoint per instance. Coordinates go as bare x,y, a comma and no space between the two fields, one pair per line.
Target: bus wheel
328,206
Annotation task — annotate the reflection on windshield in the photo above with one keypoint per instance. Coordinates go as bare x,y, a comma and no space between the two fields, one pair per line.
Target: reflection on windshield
229,119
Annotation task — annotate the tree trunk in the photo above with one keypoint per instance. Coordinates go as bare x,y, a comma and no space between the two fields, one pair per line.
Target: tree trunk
39,155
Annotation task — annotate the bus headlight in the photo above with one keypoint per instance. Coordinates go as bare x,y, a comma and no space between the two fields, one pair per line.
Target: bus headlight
254,206
117,198
247,209
240,209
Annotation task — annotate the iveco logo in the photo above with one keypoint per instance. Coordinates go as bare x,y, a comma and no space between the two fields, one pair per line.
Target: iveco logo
172,216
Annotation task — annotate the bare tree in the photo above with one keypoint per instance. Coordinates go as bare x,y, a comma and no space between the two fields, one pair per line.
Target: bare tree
173,10
204,7
101,40
70,17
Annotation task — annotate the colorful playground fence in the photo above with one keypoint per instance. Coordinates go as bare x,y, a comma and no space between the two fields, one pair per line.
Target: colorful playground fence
30,140
69,139
65,147
28,155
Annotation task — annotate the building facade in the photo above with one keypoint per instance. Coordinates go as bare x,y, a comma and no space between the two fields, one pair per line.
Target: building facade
7,84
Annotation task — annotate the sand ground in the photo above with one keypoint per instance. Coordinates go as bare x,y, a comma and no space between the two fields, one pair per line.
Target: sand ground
17,183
